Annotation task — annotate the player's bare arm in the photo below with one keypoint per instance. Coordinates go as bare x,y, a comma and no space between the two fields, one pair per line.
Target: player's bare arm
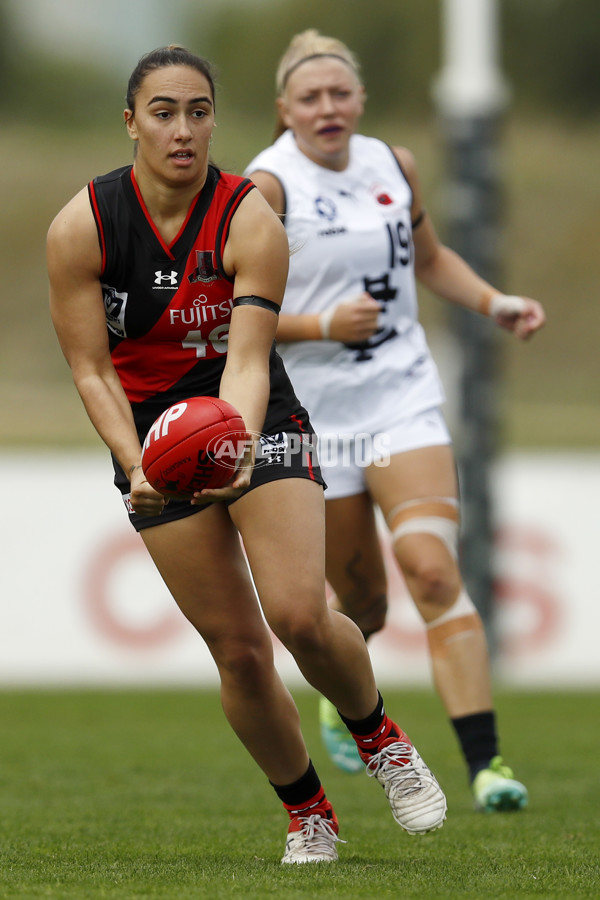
257,255
446,274
77,309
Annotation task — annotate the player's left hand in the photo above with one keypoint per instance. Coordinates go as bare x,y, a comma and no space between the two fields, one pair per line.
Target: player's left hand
145,501
236,486
521,315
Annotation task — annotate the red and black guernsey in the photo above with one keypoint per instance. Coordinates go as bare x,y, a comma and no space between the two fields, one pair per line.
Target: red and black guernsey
168,307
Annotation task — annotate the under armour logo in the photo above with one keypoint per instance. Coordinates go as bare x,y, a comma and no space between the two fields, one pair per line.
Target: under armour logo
160,277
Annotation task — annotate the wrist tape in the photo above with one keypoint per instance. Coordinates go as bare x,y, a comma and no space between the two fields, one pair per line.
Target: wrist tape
502,305
325,322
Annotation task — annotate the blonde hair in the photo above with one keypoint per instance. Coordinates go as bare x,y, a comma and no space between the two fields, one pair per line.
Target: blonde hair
310,44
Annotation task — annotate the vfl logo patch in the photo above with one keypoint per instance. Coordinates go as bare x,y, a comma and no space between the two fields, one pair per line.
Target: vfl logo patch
272,448
115,303
326,208
205,267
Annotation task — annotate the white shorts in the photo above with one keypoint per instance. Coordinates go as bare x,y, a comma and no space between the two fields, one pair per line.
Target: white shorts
345,457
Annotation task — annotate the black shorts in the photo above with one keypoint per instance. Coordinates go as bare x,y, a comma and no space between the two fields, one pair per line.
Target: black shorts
287,452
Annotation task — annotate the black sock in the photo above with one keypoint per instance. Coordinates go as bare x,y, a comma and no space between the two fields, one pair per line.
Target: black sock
302,794
369,733
478,739
368,725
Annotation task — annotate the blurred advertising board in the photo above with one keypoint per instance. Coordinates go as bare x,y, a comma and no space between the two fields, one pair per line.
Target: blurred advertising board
81,603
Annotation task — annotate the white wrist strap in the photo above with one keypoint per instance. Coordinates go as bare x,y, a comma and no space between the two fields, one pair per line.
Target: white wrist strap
506,305
325,322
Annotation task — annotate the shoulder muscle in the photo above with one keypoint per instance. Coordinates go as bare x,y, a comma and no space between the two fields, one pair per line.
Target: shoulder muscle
72,242
257,252
271,189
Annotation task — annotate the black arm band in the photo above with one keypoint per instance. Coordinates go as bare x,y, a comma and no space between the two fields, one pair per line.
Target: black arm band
419,219
252,300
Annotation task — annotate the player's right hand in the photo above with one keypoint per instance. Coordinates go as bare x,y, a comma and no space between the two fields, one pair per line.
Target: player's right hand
355,320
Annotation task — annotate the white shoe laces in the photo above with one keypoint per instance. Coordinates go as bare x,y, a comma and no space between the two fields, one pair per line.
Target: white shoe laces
318,833
394,764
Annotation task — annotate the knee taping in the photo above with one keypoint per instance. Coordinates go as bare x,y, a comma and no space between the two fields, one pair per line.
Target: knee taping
436,515
462,607
460,621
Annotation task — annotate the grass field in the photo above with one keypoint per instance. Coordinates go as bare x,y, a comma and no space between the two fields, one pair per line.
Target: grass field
135,794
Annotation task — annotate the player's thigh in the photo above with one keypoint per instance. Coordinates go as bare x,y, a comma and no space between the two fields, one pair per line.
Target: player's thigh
354,562
201,560
419,474
282,524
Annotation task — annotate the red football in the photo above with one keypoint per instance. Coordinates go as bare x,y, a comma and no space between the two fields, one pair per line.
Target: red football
194,444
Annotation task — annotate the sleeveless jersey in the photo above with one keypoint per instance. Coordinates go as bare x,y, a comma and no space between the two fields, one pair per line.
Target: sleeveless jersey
168,307
350,232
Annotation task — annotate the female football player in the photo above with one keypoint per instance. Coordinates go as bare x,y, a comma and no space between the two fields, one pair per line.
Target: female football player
132,258
357,356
